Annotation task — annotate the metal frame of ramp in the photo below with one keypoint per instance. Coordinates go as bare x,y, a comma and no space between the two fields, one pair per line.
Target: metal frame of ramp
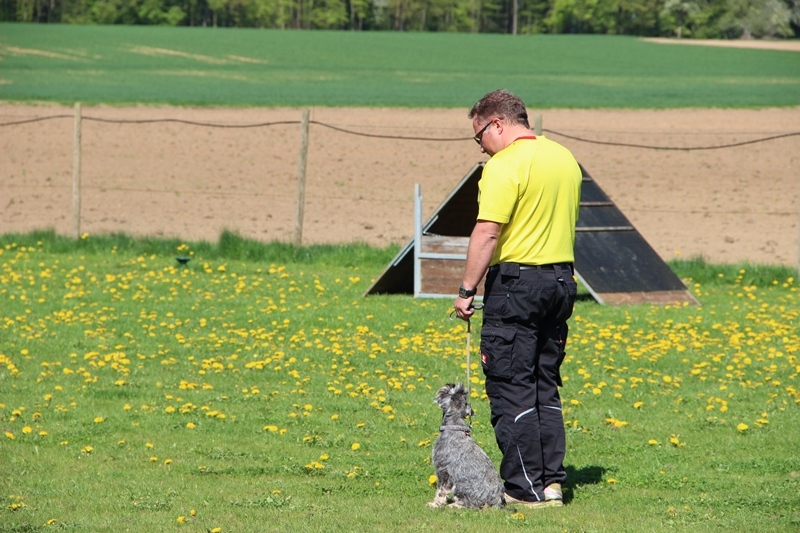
612,260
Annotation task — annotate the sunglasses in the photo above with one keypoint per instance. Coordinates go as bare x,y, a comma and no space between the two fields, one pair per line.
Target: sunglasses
479,136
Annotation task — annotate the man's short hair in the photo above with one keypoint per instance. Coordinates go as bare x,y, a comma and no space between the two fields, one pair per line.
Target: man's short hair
502,104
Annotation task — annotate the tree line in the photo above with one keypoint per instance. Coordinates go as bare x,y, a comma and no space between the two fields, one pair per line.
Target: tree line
706,19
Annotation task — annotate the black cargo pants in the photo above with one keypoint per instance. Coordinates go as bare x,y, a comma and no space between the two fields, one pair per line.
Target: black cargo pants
522,347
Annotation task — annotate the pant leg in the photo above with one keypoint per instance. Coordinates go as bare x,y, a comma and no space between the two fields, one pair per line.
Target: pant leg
551,419
515,418
551,355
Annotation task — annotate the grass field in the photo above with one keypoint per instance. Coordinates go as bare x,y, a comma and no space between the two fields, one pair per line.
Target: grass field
246,67
255,390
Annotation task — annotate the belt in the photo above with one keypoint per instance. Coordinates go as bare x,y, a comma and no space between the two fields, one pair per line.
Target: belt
540,267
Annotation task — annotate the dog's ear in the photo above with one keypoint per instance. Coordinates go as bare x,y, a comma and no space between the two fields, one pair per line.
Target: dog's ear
458,398
444,395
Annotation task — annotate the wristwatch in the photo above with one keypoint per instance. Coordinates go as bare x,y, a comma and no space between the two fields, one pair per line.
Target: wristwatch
466,293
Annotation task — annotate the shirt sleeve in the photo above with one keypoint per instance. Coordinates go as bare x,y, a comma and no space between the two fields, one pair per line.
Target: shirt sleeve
498,192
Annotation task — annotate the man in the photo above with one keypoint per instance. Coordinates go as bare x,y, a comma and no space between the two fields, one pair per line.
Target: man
524,237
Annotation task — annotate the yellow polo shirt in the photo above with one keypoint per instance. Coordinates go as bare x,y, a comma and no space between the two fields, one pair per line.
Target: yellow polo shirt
533,188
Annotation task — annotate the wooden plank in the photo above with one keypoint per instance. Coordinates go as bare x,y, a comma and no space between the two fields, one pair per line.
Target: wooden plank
443,277
444,244
651,297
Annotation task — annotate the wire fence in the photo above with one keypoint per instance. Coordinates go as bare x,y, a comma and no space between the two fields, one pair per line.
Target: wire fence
130,175
395,137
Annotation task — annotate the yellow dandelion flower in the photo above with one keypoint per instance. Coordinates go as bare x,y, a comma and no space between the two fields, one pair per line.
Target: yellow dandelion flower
638,405
168,461
518,516
612,480
87,450
153,459
9,435
191,425
98,419
652,442
355,446
742,426
432,480
216,530
181,519
27,430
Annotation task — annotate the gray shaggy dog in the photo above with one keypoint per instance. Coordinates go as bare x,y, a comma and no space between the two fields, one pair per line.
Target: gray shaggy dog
465,475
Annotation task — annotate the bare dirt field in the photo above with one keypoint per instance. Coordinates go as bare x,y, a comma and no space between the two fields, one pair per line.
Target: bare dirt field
172,179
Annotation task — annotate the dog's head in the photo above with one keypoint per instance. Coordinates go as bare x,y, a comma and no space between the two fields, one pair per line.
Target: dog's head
452,398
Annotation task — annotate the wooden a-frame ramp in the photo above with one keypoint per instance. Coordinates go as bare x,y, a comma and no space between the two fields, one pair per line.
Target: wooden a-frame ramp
612,260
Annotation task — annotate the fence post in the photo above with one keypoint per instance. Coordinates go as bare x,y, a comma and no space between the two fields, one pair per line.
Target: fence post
76,175
537,124
301,181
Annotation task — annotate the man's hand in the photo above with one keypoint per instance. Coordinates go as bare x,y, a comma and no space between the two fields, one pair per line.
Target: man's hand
464,308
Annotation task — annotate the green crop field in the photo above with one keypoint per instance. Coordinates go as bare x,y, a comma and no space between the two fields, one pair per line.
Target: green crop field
248,67
255,390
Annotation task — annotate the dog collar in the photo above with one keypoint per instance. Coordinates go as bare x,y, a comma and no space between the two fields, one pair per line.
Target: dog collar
465,429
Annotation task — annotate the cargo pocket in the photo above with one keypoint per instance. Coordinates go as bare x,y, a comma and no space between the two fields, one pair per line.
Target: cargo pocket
569,292
497,351
528,302
563,332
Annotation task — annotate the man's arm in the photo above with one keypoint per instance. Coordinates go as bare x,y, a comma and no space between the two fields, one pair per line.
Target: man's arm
482,244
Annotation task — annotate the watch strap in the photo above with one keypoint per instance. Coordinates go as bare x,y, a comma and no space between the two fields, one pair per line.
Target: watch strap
466,293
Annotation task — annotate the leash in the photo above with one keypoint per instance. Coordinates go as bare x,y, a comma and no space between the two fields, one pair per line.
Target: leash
469,354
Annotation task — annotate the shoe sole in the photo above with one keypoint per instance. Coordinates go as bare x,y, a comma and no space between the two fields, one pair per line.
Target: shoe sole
533,505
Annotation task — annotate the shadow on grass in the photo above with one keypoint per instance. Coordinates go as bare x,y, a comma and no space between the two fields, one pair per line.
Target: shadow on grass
586,475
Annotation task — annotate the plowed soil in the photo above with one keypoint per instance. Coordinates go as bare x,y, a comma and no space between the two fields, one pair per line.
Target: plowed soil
739,203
